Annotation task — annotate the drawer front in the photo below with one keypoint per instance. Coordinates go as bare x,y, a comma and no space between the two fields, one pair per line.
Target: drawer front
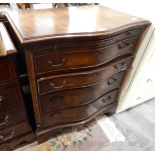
11,116
82,79
83,59
78,113
14,131
10,96
78,44
78,97
7,73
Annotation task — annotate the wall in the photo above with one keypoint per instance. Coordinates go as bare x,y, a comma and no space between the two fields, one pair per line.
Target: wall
137,85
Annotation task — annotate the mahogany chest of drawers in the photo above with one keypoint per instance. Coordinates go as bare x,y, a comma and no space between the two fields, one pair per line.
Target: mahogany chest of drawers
75,63
14,126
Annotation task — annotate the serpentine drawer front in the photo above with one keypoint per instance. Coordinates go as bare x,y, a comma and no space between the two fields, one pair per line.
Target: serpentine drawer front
81,79
76,58
75,70
78,113
77,97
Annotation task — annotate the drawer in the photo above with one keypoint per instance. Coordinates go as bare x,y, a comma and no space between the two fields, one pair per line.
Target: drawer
78,113
71,44
7,73
78,97
12,116
10,96
59,61
14,131
81,79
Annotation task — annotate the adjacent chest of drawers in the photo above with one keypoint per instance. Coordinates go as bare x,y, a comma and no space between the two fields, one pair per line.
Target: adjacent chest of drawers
14,125
75,65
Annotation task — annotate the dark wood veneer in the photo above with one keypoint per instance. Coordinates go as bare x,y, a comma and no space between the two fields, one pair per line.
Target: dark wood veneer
13,115
71,68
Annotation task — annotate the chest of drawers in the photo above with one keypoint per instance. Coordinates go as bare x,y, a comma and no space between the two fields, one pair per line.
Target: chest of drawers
13,116
75,65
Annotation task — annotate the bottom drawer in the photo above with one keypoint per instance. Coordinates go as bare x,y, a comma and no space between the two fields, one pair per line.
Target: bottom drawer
14,131
79,113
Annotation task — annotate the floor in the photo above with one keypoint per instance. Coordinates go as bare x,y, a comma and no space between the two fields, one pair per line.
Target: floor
130,130
137,125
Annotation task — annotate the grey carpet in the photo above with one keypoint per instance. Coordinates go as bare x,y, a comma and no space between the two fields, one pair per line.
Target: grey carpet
138,127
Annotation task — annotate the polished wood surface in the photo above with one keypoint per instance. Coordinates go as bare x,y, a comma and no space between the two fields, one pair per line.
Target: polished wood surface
81,79
80,113
12,132
71,66
10,96
6,45
64,22
79,97
80,57
13,114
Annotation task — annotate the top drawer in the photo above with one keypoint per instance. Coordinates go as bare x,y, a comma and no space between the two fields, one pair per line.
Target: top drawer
59,61
7,73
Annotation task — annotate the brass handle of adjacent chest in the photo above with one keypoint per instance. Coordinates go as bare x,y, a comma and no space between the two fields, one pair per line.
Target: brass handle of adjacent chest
121,67
1,100
4,121
56,114
124,45
58,87
106,99
7,136
51,63
111,80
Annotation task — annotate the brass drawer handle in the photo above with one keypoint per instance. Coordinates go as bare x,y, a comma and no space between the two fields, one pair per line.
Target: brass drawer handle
125,45
55,115
5,120
121,67
1,100
7,136
51,63
58,87
107,99
111,80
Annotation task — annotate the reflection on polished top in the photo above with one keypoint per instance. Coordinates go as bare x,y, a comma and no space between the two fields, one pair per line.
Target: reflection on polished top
72,21
6,46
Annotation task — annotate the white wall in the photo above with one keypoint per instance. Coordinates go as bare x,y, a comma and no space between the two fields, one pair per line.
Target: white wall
135,88
140,8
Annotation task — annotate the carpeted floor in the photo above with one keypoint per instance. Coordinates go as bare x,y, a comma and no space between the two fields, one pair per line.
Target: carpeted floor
133,129
138,127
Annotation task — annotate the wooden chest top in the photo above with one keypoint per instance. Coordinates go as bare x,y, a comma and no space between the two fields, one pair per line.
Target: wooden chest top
6,46
36,25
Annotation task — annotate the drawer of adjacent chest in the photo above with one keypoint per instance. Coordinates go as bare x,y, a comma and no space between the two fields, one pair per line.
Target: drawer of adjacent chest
79,97
10,96
82,59
14,131
12,115
7,73
78,113
82,79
